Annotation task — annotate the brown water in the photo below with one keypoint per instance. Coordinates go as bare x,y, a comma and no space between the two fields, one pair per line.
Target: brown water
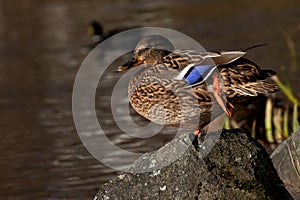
42,46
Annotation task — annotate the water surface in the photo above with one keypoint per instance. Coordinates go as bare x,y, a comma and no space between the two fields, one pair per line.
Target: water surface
42,46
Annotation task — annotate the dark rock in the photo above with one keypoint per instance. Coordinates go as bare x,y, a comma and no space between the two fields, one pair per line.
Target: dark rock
227,165
286,159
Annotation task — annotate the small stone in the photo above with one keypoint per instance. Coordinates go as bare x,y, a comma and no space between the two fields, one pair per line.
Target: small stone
163,188
122,176
105,198
152,164
155,173
238,159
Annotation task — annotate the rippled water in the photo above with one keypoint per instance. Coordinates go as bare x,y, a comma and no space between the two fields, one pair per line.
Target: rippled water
42,46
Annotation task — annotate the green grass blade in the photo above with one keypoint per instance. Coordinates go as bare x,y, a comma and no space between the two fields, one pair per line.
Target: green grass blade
268,121
295,118
286,90
226,123
286,132
253,129
277,121
292,50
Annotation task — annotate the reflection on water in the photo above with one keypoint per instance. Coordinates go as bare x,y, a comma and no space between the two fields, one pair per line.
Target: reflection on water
42,46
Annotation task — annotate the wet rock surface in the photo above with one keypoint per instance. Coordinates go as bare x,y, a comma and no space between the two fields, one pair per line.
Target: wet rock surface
286,159
219,165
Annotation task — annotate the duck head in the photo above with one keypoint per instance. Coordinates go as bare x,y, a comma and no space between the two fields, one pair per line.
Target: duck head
149,50
95,30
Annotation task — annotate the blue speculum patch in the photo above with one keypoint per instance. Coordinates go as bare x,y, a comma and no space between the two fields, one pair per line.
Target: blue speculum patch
197,73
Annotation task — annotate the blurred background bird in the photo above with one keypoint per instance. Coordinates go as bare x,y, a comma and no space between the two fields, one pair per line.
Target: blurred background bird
97,33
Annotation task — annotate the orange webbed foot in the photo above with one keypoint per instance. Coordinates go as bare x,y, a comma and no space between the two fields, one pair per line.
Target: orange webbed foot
220,96
197,132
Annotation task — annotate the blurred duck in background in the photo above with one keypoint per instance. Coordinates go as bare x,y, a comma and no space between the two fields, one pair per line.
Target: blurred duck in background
97,34
95,30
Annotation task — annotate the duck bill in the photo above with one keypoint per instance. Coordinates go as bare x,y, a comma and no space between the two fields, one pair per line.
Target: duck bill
91,31
130,64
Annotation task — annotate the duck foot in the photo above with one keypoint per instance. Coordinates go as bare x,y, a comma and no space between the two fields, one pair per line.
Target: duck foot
196,136
195,142
197,132
199,136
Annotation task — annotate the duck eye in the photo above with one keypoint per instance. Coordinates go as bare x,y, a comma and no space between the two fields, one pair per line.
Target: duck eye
139,59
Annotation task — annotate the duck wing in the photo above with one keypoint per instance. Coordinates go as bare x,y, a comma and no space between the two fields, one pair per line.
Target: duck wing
179,59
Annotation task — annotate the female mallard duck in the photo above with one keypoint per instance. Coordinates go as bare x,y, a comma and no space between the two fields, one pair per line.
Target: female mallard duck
190,88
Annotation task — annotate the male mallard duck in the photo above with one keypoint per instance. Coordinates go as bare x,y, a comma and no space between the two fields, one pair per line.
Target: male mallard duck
185,88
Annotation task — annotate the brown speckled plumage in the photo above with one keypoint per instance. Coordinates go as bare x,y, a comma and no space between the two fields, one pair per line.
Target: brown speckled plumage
156,93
